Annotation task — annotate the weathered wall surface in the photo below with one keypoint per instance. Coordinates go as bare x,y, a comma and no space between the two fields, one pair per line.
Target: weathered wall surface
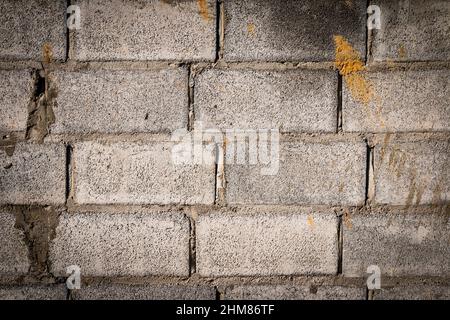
87,170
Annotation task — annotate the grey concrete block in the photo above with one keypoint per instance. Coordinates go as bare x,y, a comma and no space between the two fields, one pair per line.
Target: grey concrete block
291,30
413,292
33,174
139,173
293,101
399,102
135,244
15,95
412,173
29,25
266,244
34,292
399,244
13,249
309,173
120,101
144,292
146,30
294,292
412,30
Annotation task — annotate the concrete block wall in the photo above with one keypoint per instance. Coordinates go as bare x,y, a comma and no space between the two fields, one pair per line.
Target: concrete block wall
87,175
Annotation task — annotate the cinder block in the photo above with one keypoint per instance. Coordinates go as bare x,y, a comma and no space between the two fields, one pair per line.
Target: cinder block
412,30
34,292
398,102
266,244
144,292
120,101
399,244
30,27
13,249
146,30
413,292
15,95
293,101
117,244
139,173
412,173
294,292
33,174
291,30
308,173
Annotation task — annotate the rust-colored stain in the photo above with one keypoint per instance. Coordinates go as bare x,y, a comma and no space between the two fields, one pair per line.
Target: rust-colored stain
402,52
203,8
310,221
251,29
347,220
397,161
412,188
47,53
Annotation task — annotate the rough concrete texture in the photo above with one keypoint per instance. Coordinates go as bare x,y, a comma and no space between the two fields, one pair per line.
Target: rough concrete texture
139,173
290,30
146,30
293,101
399,244
294,292
413,30
120,101
413,292
412,173
33,174
103,244
13,249
414,100
27,26
34,292
266,244
332,173
144,292
15,95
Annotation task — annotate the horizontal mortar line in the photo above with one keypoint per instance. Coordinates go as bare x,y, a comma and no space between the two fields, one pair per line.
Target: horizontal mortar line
73,65
326,280
284,137
249,209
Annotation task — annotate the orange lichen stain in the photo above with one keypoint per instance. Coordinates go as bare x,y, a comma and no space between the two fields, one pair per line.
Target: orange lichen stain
251,29
203,8
349,64
347,220
47,53
402,52
310,221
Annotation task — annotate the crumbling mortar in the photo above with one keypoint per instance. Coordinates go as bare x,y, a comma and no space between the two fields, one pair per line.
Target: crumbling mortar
39,227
